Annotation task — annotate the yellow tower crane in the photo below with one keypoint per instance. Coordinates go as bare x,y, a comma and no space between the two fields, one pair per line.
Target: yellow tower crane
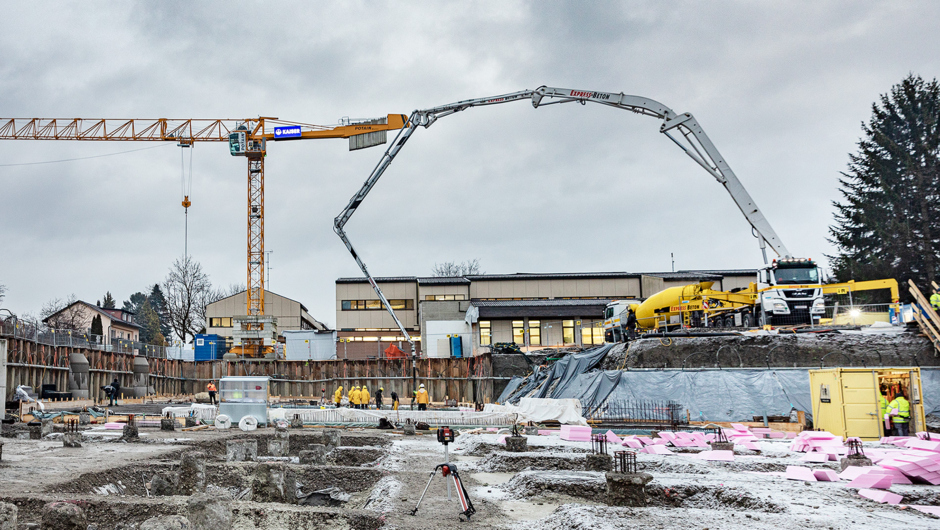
247,138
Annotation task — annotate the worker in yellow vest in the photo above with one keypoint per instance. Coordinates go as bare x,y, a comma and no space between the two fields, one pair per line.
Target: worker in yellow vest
903,416
423,398
338,396
935,301
364,398
883,401
354,397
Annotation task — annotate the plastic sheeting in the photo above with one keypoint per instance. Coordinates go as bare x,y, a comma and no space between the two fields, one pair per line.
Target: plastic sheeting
564,411
708,395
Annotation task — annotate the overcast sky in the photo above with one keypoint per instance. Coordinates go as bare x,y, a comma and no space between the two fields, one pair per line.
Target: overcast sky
781,89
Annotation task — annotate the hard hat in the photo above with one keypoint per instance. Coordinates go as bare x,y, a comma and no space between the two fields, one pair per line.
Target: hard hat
382,389
421,386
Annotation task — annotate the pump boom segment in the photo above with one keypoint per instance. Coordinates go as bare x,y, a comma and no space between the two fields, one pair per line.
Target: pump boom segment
682,129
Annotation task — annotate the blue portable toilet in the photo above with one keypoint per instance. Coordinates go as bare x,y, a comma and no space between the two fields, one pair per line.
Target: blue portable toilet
208,347
456,346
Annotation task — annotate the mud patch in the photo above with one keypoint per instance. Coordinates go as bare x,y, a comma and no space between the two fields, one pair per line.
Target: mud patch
355,456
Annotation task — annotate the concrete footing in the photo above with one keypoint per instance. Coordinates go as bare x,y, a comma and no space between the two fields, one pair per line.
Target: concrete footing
167,424
627,489
62,515
854,462
207,512
131,433
190,421
722,446
241,450
517,444
274,482
409,429
84,418
297,423
72,439
192,473
35,431
532,430
598,462
314,455
278,447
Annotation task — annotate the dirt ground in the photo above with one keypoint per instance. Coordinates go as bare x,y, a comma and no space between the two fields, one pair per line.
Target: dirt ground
108,478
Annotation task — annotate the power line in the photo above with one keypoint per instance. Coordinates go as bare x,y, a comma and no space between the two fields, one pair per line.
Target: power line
84,157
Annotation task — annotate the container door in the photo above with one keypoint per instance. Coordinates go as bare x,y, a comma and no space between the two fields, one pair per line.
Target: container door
860,405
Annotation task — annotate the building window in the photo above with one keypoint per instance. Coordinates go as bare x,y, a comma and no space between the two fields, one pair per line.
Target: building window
486,333
567,331
592,335
375,305
535,332
518,331
220,322
439,297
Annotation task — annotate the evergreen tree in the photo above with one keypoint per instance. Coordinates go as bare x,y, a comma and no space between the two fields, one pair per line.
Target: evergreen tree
109,302
888,223
96,326
158,303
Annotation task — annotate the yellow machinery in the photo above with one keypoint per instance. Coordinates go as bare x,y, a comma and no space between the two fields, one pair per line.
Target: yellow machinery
248,138
846,400
693,305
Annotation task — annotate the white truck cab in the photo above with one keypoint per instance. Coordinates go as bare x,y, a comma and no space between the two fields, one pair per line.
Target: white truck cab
794,294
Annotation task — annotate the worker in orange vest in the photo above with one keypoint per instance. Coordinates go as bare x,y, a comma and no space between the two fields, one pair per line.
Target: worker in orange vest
212,390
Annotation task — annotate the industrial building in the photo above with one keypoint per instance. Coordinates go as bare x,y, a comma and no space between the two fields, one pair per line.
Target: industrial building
533,310
290,314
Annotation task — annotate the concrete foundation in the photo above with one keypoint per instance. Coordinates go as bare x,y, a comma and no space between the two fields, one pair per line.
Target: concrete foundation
722,446
517,444
163,484
856,462
72,439
274,482
241,450
278,447
314,455
192,473
166,522
190,421
131,433
63,516
47,427
84,418
207,512
35,432
167,424
409,429
627,489
532,431
297,423
599,462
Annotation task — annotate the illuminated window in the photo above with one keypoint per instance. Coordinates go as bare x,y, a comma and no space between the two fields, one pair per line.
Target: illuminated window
567,331
486,336
535,332
444,297
375,305
518,331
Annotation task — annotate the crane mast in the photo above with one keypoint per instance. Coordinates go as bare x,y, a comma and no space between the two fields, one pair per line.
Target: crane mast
682,129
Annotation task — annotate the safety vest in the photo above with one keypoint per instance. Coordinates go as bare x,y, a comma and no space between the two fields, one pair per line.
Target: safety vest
935,300
210,388
904,409
883,405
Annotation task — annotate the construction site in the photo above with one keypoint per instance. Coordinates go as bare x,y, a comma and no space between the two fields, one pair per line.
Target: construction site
782,391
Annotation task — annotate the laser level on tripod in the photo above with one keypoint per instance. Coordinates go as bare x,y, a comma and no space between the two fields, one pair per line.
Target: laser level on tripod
445,435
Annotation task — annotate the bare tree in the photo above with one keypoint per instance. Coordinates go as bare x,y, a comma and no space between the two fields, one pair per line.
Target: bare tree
65,313
187,290
452,269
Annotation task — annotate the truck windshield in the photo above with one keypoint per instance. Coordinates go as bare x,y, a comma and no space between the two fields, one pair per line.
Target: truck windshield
796,275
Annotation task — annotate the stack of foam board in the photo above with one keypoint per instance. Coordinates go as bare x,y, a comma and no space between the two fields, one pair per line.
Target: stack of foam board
575,433
817,441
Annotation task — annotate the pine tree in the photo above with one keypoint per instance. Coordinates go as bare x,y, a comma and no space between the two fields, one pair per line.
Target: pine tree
888,223
108,302
158,303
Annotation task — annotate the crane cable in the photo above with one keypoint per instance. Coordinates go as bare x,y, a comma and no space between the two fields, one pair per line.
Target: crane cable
186,186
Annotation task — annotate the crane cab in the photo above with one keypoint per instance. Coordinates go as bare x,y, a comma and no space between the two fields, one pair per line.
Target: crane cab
239,144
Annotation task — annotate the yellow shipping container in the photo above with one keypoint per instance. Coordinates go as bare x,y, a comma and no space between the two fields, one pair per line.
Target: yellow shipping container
846,400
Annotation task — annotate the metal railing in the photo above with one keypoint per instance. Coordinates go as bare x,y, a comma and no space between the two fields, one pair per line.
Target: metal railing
40,334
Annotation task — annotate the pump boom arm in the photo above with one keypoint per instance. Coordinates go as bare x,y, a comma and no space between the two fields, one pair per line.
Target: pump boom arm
682,129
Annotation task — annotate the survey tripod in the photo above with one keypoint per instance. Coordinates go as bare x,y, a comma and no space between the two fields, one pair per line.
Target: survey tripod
445,435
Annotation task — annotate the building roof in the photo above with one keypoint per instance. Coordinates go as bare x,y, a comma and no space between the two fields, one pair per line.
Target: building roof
384,279
553,276
436,280
100,310
557,307
727,272
684,275
242,294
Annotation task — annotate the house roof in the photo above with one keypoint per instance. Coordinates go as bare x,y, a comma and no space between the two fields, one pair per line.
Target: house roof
100,310
727,272
684,275
553,276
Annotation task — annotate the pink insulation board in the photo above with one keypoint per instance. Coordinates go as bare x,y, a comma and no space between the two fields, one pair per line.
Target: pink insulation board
800,473
881,496
826,475
871,480
721,456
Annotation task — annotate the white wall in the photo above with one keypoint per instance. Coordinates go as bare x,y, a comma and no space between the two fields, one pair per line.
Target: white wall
440,329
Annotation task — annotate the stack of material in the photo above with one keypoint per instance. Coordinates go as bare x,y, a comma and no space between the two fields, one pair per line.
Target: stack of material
575,433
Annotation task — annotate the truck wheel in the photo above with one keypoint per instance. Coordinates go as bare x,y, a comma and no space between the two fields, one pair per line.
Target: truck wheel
729,321
748,320
716,322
